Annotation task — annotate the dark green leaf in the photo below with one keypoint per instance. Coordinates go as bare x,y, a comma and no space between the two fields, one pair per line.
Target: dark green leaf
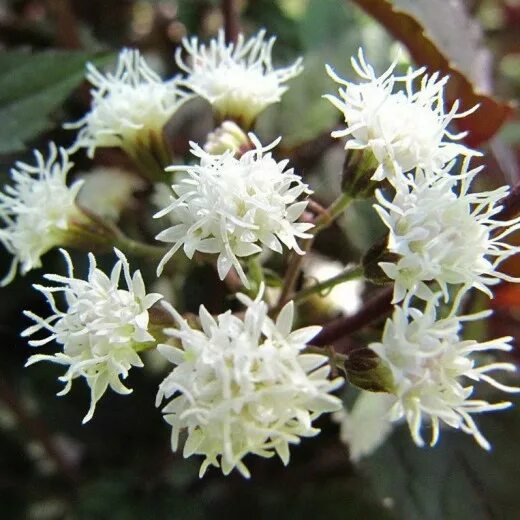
32,87
456,479
324,22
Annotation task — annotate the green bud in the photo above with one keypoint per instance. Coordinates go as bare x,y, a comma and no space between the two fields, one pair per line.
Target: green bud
358,168
376,254
366,370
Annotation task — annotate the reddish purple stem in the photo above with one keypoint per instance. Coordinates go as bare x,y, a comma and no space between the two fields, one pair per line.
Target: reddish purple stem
231,20
376,308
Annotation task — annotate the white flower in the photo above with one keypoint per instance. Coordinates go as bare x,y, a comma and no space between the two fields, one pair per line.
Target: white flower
238,79
101,329
243,386
229,205
433,369
128,106
403,128
443,233
37,209
367,425
106,192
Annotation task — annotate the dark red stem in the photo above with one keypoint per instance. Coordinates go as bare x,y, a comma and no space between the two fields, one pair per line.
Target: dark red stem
231,20
511,204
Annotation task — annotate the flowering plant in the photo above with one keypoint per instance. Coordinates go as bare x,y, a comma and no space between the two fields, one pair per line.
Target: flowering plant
237,289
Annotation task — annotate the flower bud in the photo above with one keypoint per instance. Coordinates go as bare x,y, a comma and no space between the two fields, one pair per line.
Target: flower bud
228,136
358,169
366,370
373,257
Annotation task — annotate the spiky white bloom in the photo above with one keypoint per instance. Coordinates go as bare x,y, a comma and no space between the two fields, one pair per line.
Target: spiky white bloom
37,209
106,192
101,330
433,370
244,386
238,79
444,233
400,119
128,106
367,425
229,205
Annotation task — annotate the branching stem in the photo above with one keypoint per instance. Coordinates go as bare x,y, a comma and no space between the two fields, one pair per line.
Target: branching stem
351,273
374,309
295,262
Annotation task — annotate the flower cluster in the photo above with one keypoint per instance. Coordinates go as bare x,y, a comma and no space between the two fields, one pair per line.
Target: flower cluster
445,240
403,129
238,79
244,386
38,209
243,382
228,205
101,330
129,105
434,370
444,233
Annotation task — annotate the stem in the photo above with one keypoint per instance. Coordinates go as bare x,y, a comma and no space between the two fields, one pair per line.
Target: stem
374,309
294,268
337,359
332,212
136,248
231,20
255,274
291,276
106,235
511,204
351,273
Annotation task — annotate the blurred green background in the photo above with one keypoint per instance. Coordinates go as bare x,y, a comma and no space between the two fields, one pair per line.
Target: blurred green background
119,466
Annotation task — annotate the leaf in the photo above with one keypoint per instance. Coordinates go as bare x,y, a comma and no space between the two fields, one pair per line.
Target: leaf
32,87
456,479
439,34
323,22
302,113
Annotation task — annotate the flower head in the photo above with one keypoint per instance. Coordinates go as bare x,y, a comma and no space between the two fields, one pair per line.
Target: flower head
101,329
403,128
37,209
229,205
444,233
432,367
238,79
244,386
132,104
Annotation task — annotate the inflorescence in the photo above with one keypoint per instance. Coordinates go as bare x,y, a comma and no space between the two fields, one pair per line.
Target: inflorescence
244,382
